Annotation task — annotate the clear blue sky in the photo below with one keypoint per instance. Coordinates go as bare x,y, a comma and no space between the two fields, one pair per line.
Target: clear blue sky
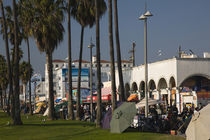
175,22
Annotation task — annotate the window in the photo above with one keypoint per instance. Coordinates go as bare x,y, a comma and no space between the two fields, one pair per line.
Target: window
85,65
107,65
124,65
56,65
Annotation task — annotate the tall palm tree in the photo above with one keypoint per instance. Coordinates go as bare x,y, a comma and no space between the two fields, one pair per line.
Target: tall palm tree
8,57
25,19
122,96
71,3
47,29
25,71
112,57
98,59
84,13
16,103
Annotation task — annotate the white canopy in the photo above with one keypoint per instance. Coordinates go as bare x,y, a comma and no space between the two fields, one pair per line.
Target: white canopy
199,127
150,102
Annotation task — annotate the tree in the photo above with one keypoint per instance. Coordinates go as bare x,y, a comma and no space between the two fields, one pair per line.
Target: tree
16,103
71,3
8,56
3,79
47,29
122,97
26,71
25,23
84,13
112,57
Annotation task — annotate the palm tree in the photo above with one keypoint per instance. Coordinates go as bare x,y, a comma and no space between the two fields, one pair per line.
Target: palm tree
112,57
8,57
25,71
83,16
122,97
47,29
71,3
98,116
84,13
25,19
16,103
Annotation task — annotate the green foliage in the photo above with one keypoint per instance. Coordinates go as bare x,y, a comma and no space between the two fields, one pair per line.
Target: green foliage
84,11
44,22
26,71
10,26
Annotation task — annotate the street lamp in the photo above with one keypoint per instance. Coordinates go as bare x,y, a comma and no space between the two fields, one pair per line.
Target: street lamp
144,17
91,81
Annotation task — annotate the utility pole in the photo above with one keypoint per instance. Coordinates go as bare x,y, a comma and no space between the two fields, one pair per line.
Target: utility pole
133,53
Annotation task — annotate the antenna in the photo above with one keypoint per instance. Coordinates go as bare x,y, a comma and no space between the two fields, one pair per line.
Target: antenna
180,51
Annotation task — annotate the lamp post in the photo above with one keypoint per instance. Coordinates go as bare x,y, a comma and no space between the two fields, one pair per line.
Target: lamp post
144,17
91,81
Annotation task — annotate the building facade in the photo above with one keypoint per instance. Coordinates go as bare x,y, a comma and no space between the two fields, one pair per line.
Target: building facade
60,75
168,79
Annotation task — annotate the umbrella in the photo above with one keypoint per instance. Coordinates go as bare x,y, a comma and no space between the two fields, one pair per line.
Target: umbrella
199,127
133,97
123,117
108,117
150,102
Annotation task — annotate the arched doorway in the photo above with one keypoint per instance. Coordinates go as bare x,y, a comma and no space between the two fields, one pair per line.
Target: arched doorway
196,86
196,83
172,87
162,85
127,90
134,87
142,89
151,88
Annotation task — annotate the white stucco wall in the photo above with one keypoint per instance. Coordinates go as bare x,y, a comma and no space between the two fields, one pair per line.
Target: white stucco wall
190,67
178,68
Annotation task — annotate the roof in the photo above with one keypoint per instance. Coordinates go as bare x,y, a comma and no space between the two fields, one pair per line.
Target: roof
104,61
125,61
58,61
83,61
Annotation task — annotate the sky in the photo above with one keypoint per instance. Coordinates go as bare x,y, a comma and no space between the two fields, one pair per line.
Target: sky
174,23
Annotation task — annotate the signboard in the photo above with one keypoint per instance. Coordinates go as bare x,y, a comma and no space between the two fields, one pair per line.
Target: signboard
84,77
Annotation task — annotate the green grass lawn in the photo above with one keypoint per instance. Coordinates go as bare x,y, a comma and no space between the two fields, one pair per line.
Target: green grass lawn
35,129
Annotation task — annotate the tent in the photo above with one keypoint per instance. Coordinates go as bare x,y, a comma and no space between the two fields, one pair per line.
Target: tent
199,127
150,102
122,117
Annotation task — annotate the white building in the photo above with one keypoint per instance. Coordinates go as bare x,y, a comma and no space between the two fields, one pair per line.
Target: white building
168,78
59,80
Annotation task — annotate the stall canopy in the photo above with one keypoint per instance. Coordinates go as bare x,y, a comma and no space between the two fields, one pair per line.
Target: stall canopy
105,95
122,117
199,127
150,102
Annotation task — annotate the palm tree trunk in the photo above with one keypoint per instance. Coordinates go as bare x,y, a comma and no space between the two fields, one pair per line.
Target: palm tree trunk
8,59
25,86
50,80
1,98
79,75
99,115
29,82
112,57
16,103
70,102
122,97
